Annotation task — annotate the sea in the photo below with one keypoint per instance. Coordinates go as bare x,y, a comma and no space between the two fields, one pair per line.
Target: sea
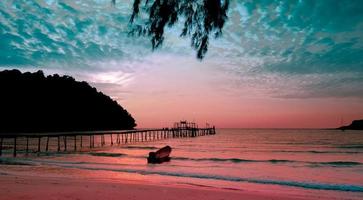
306,163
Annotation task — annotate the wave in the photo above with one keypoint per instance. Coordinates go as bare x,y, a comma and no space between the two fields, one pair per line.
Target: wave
351,147
106,154
16,161
234,160
343,152
318,152
8,161
341,163
140,147
11,161
302,151
306,185
271,161
59,163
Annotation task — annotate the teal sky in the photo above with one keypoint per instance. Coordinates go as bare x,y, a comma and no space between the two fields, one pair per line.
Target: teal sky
278,64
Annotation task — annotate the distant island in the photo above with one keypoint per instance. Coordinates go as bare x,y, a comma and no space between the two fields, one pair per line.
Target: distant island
355,125
32,102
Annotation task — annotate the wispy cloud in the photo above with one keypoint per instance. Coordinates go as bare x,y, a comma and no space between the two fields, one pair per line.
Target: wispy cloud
282,49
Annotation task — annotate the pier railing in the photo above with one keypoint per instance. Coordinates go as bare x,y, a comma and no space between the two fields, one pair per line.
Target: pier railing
78,141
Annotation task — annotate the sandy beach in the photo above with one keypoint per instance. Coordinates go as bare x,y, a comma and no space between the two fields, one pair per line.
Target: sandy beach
32,187
25,182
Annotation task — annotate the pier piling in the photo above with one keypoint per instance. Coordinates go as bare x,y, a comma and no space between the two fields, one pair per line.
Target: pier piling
39,144
27,144
58,149
75,143
14,153
47,145
65,143
1,145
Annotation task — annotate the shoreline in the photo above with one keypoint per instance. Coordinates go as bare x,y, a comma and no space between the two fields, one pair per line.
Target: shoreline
33,187
38,181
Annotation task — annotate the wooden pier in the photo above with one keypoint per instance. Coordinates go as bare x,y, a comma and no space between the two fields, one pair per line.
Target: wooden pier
83,141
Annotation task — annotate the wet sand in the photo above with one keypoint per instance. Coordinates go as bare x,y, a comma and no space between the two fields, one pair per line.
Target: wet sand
32,187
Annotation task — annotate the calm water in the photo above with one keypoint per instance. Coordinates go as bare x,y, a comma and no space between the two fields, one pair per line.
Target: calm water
312,163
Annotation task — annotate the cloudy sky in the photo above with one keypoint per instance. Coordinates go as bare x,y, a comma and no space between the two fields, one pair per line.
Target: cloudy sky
288,64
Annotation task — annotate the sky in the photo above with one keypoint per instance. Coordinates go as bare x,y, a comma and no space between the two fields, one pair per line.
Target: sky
278,64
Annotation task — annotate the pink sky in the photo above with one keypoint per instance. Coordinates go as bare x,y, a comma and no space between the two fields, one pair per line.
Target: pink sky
247,113
166,89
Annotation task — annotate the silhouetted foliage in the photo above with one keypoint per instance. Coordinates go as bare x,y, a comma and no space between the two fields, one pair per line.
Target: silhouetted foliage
31,102
201,18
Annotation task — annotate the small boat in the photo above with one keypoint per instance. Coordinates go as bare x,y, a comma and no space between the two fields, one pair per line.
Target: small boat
161,155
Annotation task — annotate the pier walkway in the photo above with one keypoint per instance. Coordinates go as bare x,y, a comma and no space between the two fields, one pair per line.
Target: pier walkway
87,140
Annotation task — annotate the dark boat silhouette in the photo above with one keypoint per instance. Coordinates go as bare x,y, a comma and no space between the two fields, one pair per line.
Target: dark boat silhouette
161,155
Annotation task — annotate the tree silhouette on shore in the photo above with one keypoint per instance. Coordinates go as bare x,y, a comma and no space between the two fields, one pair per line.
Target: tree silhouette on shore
32,102
355,125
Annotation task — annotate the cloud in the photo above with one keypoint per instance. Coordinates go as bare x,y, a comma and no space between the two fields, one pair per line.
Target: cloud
283,49
293,49
305,36
65,33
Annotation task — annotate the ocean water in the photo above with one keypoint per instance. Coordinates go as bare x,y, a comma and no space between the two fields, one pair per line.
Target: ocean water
304,163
